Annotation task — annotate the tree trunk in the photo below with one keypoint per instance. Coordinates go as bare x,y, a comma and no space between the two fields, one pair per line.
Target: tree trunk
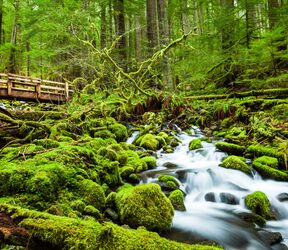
119,9
185,17
138,38
110,23
250,16
1,20
273,6
28,59
152,26
103,26
227,31
12,67
164,40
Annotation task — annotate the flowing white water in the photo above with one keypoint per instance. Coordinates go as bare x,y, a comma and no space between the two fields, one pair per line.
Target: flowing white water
201,178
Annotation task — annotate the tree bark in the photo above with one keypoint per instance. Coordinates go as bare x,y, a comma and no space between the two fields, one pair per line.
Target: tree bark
164,39
1,20
185,17
103,27
250,16
138,38
227,31
152,25
273,6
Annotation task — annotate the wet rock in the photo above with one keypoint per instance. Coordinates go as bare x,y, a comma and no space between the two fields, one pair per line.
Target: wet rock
111,214
270,238
210,197
280,246
170,165
252,218
282,197
229,198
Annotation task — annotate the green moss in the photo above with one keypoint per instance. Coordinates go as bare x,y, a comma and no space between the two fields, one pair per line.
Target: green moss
126,171
78,205
104,134
69,233
236,135
230,148
120,131
92,211
268,172
144,205
259,204
258,150
149,141
177,200
133,178
268,161
111,200
195,144
235,162
168,179
150,161
92,194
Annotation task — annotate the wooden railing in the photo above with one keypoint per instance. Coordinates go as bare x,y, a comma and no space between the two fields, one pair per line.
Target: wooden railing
29,88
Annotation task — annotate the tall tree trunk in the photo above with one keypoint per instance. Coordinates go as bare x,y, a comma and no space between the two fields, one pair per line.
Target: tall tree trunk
12,67
152,26
103,27
110,23
28,59
273,6
1,20
250,16
138,38
227,31
119,12
185,17
164,39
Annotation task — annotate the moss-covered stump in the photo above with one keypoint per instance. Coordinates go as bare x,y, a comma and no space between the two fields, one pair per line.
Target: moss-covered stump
269,172
235,162
144,205
258,150
177,200
195,144
230,148
259,204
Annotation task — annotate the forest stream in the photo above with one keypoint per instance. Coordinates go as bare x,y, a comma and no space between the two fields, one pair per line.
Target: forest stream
214,198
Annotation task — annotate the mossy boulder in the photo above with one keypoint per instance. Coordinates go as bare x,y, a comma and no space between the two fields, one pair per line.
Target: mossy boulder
259,204
92,194
195,144
149,141
269,172
119,130
237,163
149,161
268,161
258,150
230,148
144,205
168,182
177,200
236,135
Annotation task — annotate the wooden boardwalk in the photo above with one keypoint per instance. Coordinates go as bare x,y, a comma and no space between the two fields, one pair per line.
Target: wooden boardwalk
33,89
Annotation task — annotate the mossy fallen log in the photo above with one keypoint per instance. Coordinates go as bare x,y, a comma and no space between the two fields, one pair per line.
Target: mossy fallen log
280,92
59,232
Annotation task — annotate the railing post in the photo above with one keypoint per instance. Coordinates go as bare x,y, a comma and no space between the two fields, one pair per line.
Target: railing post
66,91
38,89
9,86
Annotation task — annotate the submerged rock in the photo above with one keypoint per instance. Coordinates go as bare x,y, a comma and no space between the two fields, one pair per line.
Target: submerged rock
252,218
270,238
282,197
229,198
210,197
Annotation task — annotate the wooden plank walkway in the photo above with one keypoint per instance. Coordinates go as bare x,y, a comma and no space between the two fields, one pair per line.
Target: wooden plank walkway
33,89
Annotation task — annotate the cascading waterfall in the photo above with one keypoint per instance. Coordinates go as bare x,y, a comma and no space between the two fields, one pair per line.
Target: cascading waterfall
215,198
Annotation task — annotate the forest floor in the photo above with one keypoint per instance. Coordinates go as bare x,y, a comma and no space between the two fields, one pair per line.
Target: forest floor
70,180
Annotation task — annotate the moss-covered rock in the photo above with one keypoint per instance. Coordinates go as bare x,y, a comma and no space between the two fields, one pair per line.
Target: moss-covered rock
149,141
120,131
230,148
144,205
177,200
258,150
236,135
149,161
126,171
259,204
92,211
268,161
169,179
235,162
269,172
195,144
